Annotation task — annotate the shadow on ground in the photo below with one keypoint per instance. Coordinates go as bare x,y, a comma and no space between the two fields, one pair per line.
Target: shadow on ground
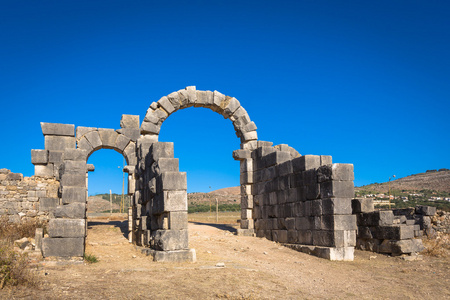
123,225
218,226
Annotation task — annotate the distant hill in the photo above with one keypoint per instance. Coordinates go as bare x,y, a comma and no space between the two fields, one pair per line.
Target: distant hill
97,204
430,180
236,190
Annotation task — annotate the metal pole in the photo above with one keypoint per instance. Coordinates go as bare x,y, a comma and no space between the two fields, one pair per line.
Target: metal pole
110,203
217,210
122,204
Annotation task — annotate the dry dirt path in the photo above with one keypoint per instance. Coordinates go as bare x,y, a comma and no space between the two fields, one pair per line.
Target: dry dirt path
254,269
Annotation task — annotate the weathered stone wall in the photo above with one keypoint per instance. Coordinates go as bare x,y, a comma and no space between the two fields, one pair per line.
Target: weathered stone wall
383,231
26,198
301,201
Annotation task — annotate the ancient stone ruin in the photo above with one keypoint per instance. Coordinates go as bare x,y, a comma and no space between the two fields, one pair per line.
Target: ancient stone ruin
304,202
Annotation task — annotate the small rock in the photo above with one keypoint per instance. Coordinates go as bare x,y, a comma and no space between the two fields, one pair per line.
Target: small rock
372,257
220,265
265,253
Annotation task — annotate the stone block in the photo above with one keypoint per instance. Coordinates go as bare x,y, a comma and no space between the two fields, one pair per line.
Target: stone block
247,224
132,133
82,130
425,210
166,105
129,121
63,247
246,178
305,237
280,236
70,211
337,222
241,154
342,172
325,160
94,139
285,168
229,106
276,158
249,136
337,189
172,256
73,167
58,129
395,247
48,204
174,99
336,206
172,201
169,240
246,213
148,127
73,194
396,232
304,223
166,165
84,144
75,155
121,142
108,137
178,220
376,218
362,205
38,237
44,170
171,181
66,228
246,165
204,98
305,162
247,201
59,143
76,180
161,150
39,157
55,156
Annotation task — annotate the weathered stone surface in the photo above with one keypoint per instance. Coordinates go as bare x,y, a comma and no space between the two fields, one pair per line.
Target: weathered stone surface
81,130
305,162
84,144
44,170
276,158
396,232
178,220
426,210
164,164
132,133
129,121
172,256
376,218
336,222
58,129
166,105
337,189
336,206
73,194
121,142
55,156
172,201
38,237
229,106
48,204
75,180
241,154
59,143
39,157
161,150
169,240
76,155
63,247
148,127
108,137
362,205
93,138
174,100
171,181
66,228
70,211
249,136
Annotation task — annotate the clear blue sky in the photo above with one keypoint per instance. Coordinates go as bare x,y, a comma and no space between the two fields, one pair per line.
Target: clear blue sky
367,82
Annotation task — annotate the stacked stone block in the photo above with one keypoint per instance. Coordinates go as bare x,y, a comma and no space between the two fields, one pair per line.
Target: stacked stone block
420,215
27,198
160,206
302,201
381,231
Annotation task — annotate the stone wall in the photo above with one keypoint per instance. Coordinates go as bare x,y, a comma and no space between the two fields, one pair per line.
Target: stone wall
383,231
301,201
27,198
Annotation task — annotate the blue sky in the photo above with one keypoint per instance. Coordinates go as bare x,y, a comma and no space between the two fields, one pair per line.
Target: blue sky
367,82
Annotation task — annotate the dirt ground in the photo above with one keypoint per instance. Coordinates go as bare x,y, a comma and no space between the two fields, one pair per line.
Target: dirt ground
255,268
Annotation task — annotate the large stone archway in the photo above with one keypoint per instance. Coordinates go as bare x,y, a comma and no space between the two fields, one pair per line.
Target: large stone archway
302,201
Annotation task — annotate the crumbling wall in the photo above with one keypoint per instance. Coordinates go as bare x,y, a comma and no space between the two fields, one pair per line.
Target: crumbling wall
300,201
26,198
382,231
160,204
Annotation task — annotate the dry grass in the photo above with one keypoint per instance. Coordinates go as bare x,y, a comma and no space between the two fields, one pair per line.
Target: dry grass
14,268
206,217
438,246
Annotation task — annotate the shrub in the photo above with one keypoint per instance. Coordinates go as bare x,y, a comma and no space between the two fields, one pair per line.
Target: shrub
90,258
14,268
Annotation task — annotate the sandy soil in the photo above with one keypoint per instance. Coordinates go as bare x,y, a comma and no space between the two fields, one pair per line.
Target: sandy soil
254,269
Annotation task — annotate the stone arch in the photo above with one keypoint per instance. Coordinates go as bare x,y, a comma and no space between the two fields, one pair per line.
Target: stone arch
228,107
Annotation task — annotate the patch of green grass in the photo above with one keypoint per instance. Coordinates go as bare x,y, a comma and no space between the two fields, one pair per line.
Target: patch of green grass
90,258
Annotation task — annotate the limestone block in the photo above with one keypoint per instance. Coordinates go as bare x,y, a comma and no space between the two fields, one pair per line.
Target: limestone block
73,194
229,106
337,189
129,121
168,240
76,180
247,201
192,95
362,205
246,165
218,98
304,223
156,116
172,256
66,228
178,220
47,204
247,224
81,130
305,162
241,154
425,210
161,150
246,213
130,150
148,127
251,126
325,160
132,133
204,98
183,98
276,158
55,156
59,143
71,211
90,167
249,136
94,139
336,206
285,168
376,218
58,129
172,201
38,237
246,178
164,164
84,145
121,142
171,181
39,157
44,170
305,237
174,100
63,247
248,145
336,222
166,105
108,137
75,155
395,232
397,247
